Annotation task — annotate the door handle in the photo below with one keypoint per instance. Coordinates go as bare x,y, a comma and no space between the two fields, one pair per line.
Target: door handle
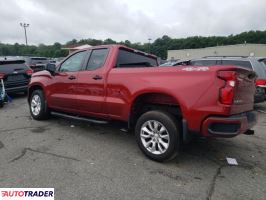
72,77
97,77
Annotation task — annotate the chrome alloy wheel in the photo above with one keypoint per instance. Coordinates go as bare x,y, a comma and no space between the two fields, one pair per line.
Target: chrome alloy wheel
36,105
155,137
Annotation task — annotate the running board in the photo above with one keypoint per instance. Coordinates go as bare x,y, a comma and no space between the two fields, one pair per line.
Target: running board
79,118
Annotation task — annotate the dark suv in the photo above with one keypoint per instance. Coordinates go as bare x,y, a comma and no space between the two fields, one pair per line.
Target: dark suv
16,75
244,61
36,63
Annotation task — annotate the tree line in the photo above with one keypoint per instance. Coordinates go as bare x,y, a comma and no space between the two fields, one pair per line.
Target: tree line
158,47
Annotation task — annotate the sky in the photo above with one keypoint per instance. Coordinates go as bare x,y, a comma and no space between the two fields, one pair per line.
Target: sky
135,20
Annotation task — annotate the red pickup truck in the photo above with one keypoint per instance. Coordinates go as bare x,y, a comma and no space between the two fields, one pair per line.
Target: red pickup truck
165,105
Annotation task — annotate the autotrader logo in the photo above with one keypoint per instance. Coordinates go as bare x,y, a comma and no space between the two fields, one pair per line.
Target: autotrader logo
26,193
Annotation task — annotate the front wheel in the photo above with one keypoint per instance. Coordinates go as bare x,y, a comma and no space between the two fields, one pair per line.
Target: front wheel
157,135
38,107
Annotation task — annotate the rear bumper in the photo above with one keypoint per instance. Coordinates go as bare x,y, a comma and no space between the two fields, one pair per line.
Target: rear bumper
229,126
17,89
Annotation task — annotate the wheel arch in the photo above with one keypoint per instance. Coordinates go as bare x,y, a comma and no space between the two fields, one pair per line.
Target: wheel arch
34,87
155,99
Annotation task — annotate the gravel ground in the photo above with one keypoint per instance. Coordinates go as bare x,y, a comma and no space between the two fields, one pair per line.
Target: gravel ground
86,161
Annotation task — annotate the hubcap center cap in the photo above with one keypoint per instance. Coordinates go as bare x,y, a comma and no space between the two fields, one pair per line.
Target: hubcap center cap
156,137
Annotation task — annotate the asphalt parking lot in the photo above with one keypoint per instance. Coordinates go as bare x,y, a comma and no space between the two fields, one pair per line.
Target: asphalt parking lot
85,161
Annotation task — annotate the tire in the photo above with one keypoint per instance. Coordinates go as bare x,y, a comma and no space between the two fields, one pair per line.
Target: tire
38,106
158,148
1,104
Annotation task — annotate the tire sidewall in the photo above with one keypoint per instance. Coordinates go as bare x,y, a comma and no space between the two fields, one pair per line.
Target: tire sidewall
170,124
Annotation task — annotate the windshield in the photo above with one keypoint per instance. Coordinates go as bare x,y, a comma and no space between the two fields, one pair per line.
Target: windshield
240,63
263,63
170,63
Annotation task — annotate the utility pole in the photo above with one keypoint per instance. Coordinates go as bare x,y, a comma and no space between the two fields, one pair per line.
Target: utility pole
149,44
25,26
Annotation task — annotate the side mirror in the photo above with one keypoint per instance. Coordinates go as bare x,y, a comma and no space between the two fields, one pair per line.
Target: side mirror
51,68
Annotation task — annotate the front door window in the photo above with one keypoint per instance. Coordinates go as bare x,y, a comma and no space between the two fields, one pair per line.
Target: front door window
73,63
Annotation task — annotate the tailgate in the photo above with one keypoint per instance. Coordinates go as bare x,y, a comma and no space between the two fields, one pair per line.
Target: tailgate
245,87
238,91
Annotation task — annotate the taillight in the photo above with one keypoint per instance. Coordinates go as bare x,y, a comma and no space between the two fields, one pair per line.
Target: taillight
29,72
227,91
261,83
2,75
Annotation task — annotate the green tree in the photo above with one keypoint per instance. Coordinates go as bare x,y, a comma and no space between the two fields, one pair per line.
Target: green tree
158,47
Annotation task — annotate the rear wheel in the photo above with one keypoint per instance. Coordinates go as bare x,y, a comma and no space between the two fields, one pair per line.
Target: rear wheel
157,135
1,103
38,106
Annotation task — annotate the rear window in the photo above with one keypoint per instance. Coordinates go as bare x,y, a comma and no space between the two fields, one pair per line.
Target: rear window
240,63
7,66
203,62
127,59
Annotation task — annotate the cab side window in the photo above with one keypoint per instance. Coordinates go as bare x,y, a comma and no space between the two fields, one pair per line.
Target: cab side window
73,63
97,59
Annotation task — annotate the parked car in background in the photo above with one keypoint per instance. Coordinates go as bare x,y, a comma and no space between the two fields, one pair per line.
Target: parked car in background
169,63
165,105
243,61
53,61
58,60
16,75
36,63
3,95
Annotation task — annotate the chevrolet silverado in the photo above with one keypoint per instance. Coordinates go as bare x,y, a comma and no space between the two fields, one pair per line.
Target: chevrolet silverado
164,105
